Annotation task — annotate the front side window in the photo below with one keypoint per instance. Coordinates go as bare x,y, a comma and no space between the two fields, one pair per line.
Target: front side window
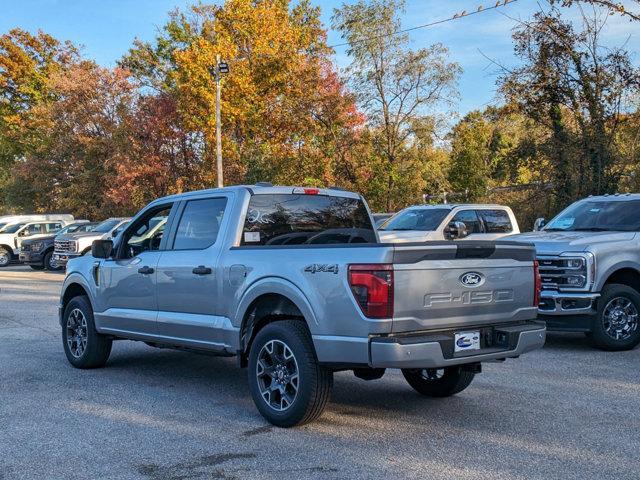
146,234
470,219
421,219
296,219
33,229
496,221
595,216
199,224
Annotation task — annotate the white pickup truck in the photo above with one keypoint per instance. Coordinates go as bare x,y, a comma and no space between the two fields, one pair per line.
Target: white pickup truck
421,223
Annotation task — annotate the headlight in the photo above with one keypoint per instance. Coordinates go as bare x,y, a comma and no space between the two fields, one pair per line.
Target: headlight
578,270
575,262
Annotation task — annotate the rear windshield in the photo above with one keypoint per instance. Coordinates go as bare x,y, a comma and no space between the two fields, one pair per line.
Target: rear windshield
286,219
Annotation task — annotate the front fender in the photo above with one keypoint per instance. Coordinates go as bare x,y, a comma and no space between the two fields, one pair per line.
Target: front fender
602,277
75,278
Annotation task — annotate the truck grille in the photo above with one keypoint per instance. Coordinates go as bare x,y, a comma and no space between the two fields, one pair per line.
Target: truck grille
68,246
560,273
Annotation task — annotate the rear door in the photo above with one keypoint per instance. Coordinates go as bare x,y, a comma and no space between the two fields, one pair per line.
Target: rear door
496,223
189,275
455,285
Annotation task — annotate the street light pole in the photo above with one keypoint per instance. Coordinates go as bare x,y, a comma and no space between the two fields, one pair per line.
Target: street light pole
218,126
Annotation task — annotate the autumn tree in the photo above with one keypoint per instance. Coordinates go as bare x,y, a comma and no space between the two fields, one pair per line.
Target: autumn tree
27,62
577,89
396,86
286,116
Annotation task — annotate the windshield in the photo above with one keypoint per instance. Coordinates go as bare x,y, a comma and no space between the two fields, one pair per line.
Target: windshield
106,226
75,227
422,219
13,228
593,216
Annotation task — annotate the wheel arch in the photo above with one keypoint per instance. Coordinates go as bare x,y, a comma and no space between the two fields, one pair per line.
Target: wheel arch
623,274
267,301
73,286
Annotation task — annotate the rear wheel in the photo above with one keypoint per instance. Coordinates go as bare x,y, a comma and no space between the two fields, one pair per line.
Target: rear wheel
5,257
83,345
615,327
438,382
287,384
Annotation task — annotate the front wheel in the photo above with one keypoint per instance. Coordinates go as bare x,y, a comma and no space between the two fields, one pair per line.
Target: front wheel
615,327
438,382
287,384
50,264
5,257
83,345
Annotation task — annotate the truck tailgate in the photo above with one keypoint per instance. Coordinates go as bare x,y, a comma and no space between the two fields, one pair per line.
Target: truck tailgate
443,285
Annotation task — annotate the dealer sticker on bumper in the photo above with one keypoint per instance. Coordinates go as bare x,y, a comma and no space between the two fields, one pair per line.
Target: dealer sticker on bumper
467,341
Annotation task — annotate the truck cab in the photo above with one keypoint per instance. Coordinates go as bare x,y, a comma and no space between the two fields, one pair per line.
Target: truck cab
421,223
589,256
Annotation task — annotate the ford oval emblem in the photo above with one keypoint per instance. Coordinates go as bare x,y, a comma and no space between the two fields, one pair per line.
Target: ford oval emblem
472,279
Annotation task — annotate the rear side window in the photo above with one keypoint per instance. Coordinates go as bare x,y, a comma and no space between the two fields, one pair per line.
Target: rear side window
496,221
289,219
199,224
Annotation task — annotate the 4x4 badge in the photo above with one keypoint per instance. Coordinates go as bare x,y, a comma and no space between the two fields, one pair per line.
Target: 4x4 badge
322,268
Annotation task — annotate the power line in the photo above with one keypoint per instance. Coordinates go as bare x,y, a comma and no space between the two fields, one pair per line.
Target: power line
464,13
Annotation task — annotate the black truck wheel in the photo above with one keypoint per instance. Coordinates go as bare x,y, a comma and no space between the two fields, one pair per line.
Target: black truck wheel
49,263
5,257
287,384
83,345
615,327
438,382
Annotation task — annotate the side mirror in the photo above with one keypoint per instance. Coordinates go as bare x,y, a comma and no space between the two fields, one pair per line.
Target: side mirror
538,224
115,233
101,248
456,231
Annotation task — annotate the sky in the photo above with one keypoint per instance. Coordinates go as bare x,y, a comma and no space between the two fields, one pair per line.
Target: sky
107,28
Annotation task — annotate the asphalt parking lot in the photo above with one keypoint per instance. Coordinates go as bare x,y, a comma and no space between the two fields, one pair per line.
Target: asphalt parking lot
566,411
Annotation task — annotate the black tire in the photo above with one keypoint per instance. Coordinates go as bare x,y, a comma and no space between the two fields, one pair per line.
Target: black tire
603,329
97,347
5,257
314,382
442,382
36,267
48,264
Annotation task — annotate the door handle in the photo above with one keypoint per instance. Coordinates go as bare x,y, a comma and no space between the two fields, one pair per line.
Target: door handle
202,270
146,270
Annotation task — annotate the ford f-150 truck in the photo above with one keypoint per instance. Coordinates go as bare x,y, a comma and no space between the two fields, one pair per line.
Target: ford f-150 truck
295,284
589,257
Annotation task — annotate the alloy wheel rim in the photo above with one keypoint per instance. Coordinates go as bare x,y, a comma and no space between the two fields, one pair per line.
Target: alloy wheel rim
4,257
432,374
277,374
52,263
620,318
77,333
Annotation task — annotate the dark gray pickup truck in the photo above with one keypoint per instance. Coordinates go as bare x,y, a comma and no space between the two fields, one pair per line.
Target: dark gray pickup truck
294,283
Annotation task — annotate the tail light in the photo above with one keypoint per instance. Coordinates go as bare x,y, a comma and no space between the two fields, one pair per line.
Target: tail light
372,287
537,283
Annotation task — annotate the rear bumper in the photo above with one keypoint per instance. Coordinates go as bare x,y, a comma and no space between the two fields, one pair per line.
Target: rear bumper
435,350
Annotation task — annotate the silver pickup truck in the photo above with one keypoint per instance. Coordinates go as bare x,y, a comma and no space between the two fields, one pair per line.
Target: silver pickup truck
589,257
294,283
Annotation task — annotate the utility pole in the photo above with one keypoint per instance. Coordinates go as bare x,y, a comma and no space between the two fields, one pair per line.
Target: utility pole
220,68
